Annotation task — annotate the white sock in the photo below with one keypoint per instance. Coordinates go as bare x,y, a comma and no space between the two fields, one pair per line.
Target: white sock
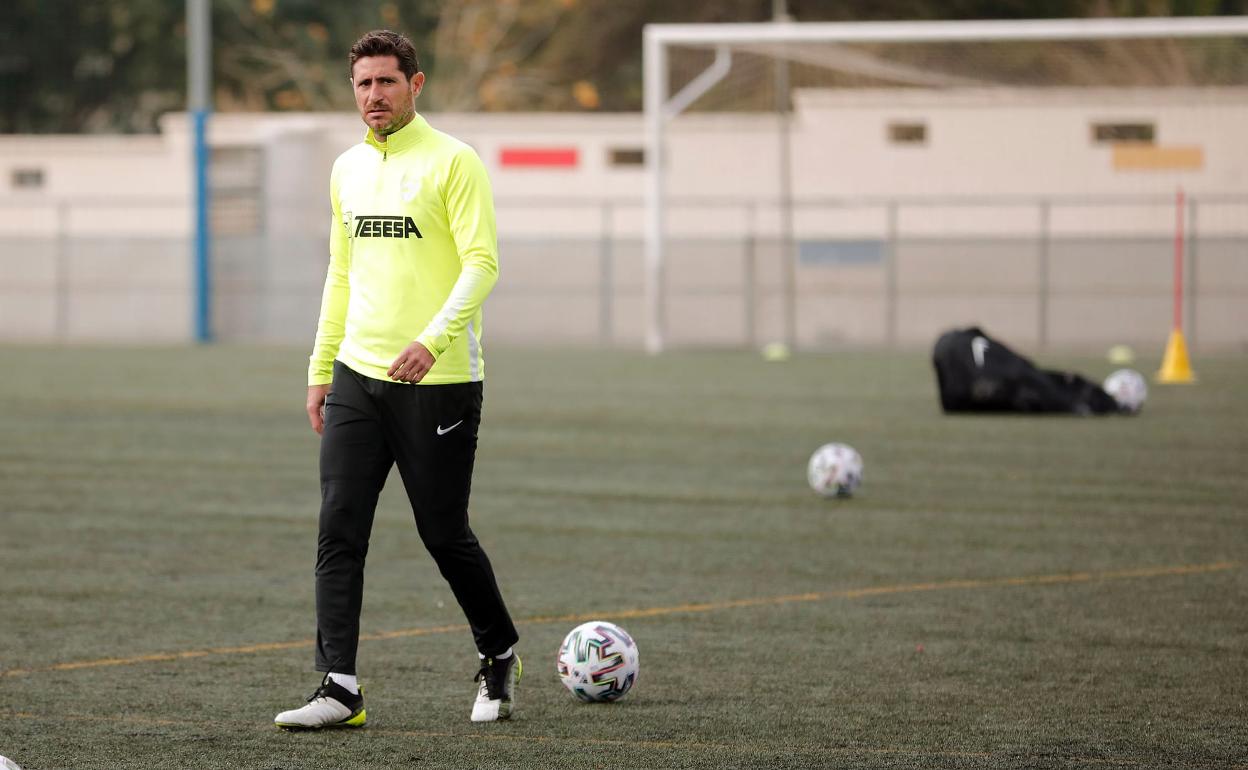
347,682
500,656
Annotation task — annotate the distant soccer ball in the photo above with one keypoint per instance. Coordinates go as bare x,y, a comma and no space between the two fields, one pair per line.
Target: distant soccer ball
1121,355
1128,388
834,470
775,352
598,662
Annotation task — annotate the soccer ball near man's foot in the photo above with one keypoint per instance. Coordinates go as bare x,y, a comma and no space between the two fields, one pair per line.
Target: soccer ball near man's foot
834,470
597,662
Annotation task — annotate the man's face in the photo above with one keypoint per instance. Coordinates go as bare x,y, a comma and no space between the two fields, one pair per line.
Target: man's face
386,99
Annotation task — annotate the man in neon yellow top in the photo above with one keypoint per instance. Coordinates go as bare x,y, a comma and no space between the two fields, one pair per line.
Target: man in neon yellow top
396,374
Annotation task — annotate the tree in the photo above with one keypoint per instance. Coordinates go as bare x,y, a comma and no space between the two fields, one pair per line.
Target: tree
90,65
117,65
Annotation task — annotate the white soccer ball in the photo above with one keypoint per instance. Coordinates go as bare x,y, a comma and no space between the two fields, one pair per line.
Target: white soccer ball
8,764
598,662
1128,388
834,470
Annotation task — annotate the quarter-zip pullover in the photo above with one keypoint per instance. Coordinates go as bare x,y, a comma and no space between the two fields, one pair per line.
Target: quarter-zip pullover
413,253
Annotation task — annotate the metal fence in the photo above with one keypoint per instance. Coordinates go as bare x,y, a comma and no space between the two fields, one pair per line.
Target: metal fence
1059,272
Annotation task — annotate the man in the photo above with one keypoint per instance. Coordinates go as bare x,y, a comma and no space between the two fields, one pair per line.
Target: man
396,374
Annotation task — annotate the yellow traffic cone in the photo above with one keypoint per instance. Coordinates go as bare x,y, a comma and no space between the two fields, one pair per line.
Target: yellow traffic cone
1175,368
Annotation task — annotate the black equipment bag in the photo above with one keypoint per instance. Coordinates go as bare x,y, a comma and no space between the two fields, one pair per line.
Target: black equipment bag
976,373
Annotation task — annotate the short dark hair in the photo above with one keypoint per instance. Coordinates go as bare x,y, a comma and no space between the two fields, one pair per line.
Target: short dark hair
383,42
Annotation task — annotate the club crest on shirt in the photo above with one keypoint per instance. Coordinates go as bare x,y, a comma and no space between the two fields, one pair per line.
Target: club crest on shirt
408,189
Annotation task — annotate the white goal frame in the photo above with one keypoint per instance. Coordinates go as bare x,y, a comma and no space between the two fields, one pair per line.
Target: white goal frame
660,107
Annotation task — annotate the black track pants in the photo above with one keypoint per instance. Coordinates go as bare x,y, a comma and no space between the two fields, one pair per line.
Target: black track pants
430,431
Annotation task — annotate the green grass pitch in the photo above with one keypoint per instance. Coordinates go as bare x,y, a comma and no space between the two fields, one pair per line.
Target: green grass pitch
1002,591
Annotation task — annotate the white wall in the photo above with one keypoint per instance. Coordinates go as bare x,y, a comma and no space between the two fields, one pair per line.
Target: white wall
102,250
1004,142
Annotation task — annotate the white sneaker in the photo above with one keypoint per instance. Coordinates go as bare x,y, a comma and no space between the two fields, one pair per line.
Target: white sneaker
497,689
332,705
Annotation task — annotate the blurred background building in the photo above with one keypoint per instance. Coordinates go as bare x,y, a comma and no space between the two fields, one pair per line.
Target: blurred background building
874,194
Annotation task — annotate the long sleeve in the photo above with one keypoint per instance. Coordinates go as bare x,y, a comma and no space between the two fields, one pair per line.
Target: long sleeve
470,214
335,298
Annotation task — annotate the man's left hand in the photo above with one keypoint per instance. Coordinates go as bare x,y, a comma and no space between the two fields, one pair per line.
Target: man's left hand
412,364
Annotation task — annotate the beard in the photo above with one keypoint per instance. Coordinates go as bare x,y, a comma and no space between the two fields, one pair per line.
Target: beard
402,117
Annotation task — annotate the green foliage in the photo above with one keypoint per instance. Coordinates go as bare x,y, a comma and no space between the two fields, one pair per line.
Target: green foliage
90,65
117,65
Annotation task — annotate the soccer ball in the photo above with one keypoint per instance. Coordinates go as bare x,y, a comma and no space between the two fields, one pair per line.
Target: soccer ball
597,662
834,470
1128,388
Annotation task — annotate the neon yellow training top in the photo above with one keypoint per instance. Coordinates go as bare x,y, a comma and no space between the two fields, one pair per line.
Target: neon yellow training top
413,253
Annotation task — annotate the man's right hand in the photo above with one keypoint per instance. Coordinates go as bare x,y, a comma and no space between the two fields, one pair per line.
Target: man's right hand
316,406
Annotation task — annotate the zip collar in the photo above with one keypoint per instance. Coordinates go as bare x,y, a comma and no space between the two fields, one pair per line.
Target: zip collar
407,136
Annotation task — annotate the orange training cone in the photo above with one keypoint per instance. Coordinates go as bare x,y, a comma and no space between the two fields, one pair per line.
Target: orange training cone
1175,368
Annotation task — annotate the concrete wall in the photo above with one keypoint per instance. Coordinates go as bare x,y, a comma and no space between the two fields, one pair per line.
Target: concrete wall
1009,215
1015,143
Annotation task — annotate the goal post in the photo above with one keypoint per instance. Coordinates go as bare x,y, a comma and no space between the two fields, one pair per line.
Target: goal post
905,56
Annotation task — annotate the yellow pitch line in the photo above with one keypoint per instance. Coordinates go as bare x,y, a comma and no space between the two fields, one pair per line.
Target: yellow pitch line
650,612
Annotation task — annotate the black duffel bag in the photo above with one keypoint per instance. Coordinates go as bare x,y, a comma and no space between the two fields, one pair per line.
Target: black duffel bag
976,373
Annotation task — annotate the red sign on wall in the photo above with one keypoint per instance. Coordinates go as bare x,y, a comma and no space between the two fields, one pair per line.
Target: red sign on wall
539,157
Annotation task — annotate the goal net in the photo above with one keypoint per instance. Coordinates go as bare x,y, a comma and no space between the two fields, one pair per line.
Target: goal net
841,184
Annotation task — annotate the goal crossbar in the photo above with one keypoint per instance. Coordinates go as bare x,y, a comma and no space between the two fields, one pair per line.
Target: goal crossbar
659,107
